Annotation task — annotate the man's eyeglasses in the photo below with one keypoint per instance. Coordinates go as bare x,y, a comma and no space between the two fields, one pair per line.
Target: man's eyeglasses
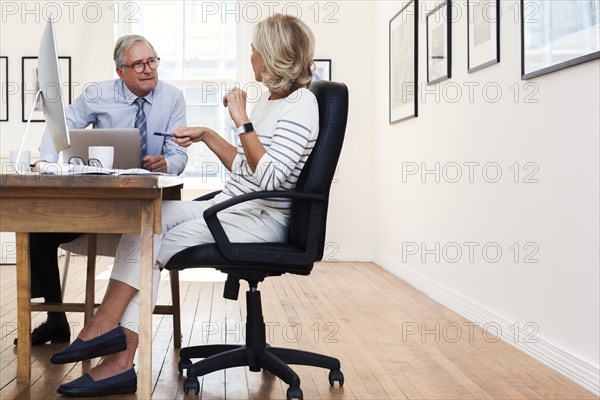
92,162
139,66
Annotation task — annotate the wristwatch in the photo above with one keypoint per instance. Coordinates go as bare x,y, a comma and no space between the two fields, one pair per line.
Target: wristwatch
245,128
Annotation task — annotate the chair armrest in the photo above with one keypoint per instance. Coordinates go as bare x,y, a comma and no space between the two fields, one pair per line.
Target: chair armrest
207,196
261,195
215,227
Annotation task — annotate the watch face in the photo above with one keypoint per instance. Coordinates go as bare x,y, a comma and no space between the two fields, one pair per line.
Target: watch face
245,128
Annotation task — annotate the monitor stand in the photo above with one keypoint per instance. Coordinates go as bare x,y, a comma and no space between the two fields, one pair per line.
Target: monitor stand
18,159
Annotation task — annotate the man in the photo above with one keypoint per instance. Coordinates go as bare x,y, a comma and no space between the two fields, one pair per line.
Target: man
138,99
114,104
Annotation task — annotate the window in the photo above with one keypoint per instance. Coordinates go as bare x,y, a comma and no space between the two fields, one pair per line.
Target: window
204,52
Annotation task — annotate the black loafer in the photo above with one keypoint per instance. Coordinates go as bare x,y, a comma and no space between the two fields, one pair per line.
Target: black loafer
111,342
85,386
44,333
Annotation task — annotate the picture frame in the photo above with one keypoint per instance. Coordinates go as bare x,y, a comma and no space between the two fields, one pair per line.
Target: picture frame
322,70
3,88
557,35
404,63
439,43
29,86
483,34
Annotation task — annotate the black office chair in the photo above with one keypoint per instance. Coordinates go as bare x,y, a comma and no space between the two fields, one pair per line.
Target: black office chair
253,262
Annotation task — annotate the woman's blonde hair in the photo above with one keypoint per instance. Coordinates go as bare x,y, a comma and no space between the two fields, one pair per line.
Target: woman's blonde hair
287,46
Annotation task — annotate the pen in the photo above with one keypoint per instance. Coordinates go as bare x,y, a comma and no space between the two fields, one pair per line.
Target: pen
165,134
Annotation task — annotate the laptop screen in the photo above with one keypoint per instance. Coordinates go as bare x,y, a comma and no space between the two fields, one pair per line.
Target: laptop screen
126,143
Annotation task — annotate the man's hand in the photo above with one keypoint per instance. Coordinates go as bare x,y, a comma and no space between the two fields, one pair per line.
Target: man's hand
155,164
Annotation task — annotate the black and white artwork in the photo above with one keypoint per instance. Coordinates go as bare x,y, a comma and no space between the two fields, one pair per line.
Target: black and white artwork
558,34
483,31
4,88
439,32
404,63
30,86
322,70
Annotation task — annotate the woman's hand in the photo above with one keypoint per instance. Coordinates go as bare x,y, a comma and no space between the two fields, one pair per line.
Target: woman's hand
235,101
185,136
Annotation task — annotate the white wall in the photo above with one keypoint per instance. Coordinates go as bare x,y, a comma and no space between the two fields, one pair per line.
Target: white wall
558,216
344,36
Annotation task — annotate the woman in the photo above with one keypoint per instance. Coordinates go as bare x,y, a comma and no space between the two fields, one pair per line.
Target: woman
273,147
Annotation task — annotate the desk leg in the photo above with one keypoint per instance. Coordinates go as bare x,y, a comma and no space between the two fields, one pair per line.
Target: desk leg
23,310
146,283
90,279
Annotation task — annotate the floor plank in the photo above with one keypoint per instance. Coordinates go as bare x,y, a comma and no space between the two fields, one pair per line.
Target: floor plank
333,311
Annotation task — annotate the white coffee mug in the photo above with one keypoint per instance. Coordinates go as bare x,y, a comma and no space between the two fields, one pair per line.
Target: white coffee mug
104,154
24,160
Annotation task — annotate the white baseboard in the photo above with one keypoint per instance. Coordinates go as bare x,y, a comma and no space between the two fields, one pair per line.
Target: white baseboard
568,365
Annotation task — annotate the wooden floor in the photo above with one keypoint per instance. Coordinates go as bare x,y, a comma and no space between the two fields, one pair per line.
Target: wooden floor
354,311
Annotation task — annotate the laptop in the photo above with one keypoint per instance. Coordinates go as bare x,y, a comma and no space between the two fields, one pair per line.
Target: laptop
126,143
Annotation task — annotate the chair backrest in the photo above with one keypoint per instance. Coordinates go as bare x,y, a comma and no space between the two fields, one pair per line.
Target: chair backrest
317,174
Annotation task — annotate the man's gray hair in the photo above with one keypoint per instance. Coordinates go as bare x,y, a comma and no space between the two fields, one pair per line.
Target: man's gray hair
124,43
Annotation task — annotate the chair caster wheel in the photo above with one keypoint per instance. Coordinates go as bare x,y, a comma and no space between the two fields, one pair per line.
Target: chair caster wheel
184,363
335,375
294,392
191,384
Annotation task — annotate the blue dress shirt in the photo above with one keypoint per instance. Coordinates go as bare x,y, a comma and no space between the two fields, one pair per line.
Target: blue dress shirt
110,105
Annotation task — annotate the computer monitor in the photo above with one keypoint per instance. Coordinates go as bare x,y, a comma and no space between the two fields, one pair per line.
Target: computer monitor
51,89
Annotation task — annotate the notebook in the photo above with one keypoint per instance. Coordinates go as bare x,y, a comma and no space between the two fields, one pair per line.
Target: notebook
126,143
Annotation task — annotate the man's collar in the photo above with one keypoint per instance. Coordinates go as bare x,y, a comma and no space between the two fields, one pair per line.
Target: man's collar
130,97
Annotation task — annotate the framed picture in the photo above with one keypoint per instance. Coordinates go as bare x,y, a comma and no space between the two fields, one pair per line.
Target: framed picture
322,70
558,34
483,34
30,86
4,88
439,39
404,63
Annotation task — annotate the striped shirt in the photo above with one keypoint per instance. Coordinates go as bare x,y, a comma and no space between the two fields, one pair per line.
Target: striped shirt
288,129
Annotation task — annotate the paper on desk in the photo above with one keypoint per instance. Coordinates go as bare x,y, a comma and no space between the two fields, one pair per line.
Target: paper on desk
71,169
135,171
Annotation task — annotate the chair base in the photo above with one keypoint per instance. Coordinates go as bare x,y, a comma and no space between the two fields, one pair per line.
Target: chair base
272,359
256,355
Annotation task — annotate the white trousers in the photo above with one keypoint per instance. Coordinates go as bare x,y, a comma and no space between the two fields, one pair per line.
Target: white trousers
183,226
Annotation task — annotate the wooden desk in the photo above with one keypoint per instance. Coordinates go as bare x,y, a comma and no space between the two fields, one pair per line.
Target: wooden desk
84,203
